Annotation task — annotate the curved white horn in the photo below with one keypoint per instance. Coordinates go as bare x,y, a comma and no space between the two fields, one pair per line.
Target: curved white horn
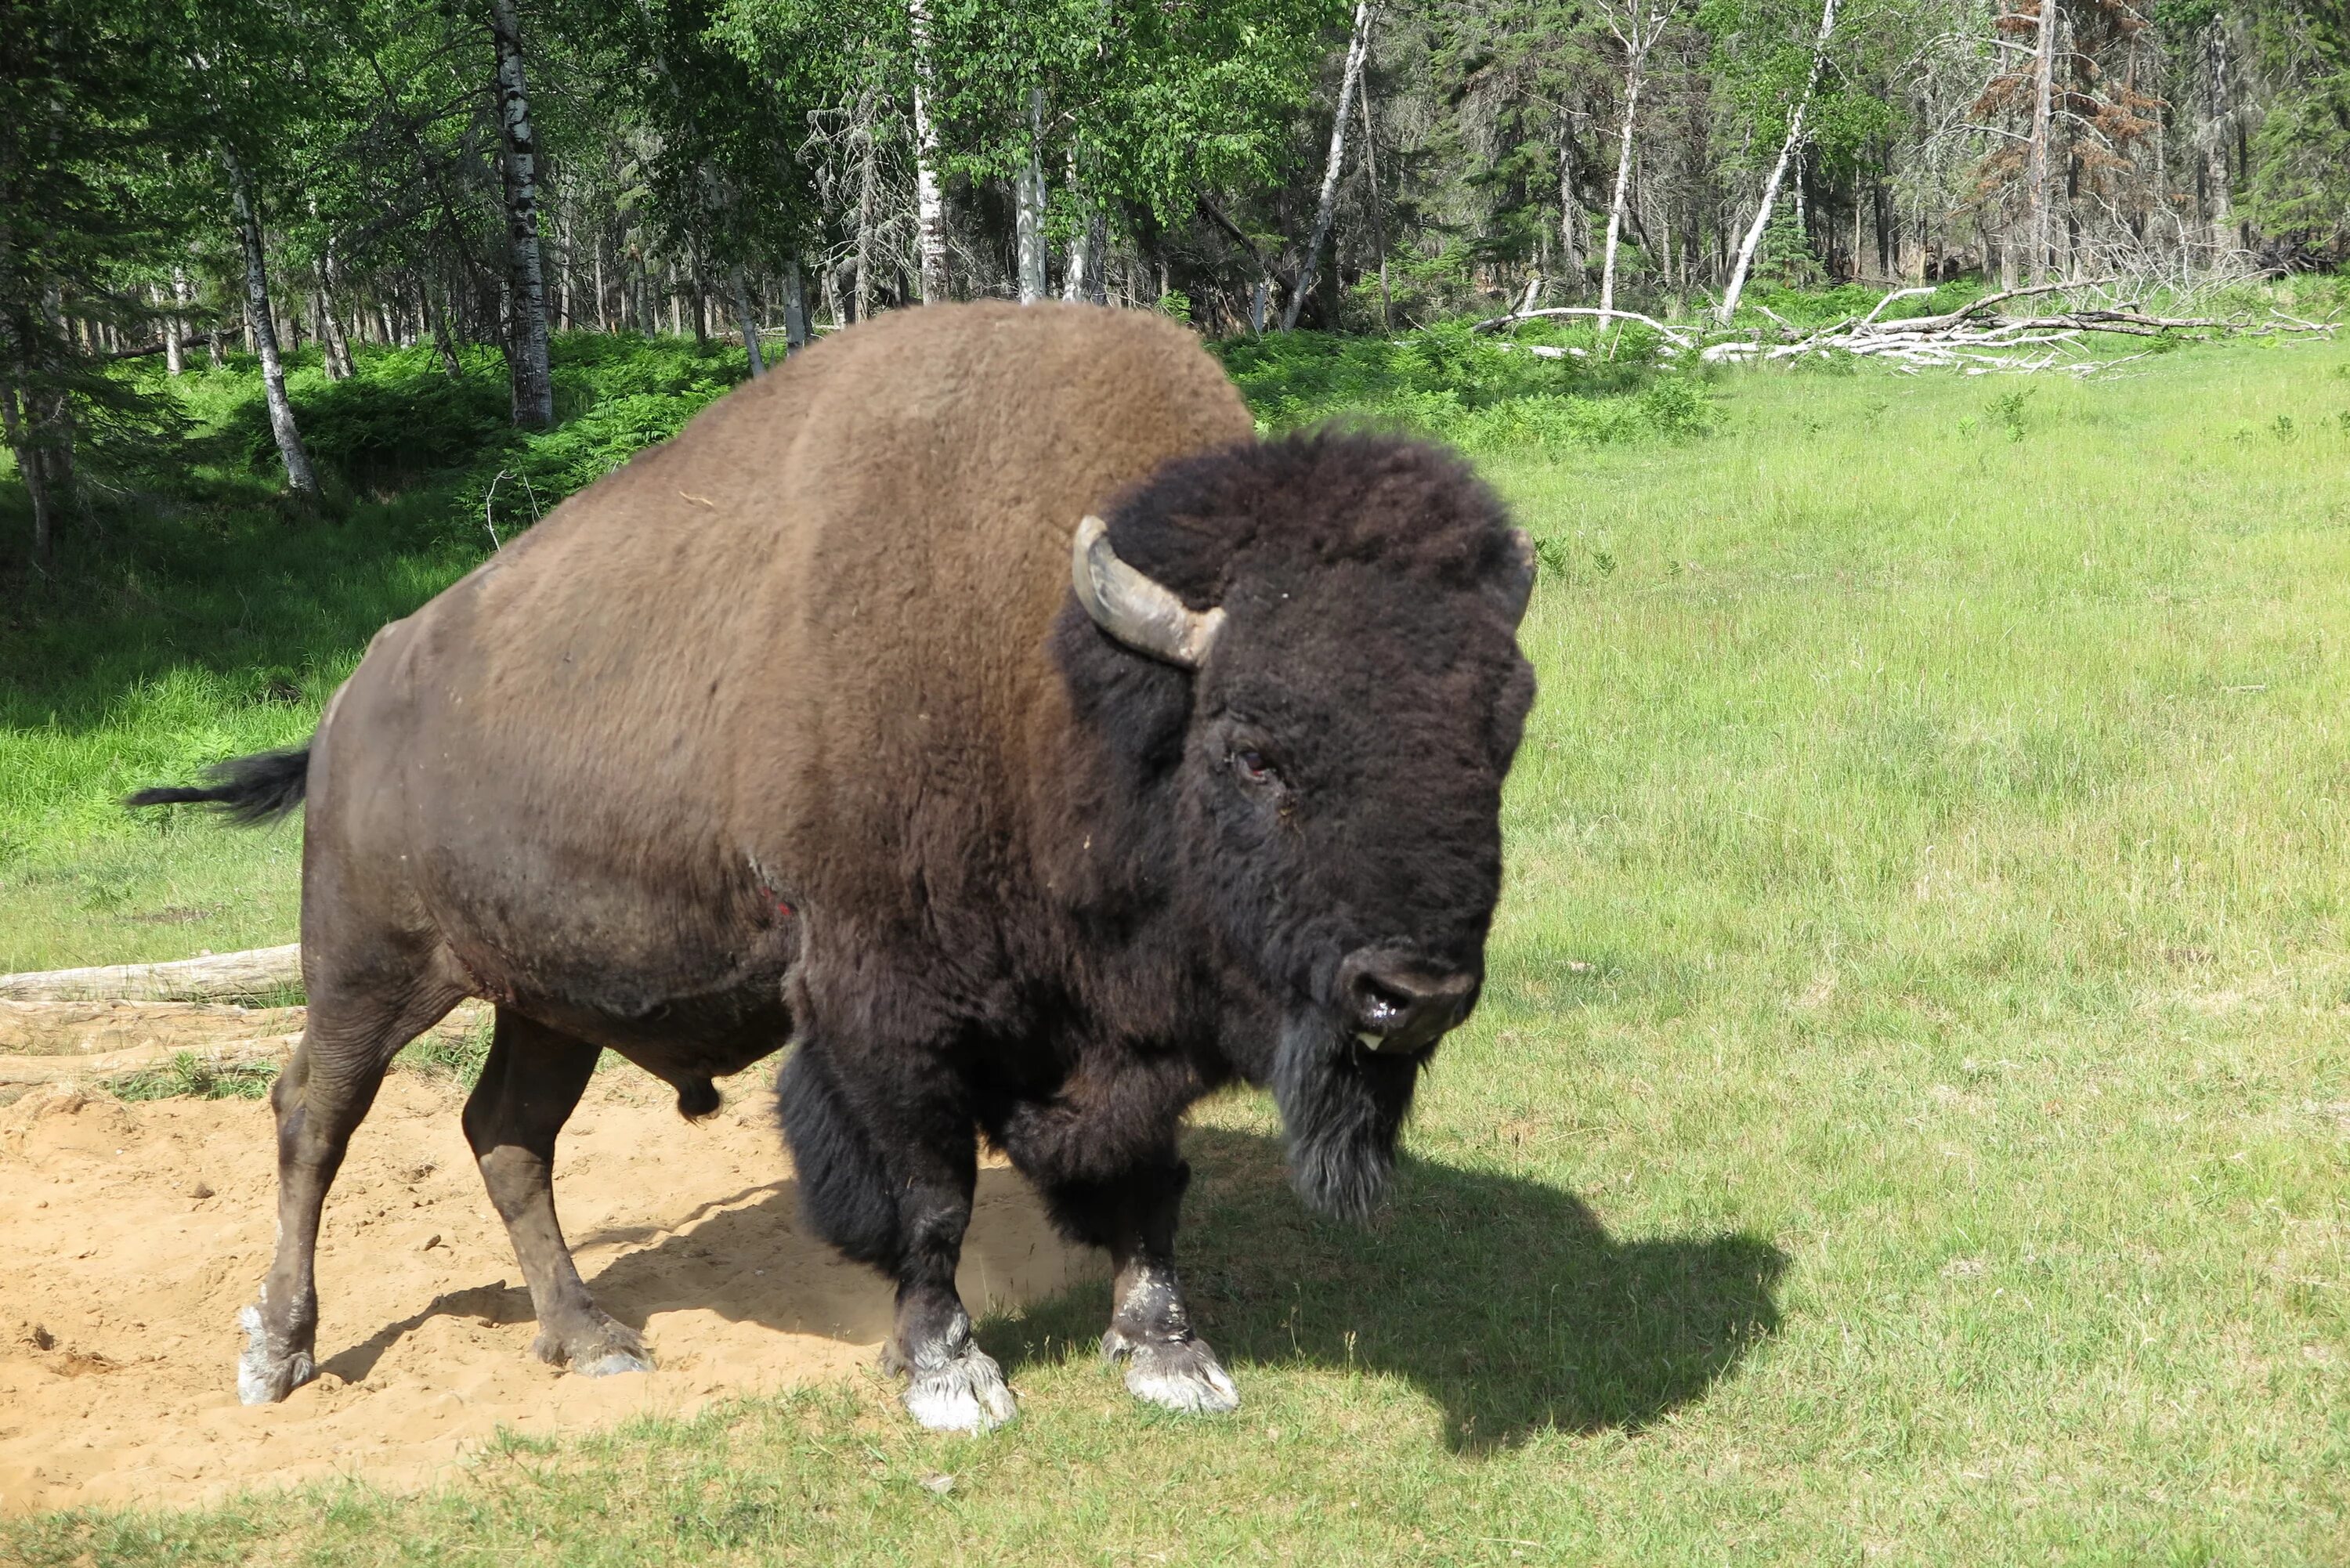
1140,612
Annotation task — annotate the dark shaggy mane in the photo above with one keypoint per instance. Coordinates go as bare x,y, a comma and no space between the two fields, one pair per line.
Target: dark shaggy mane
1410,508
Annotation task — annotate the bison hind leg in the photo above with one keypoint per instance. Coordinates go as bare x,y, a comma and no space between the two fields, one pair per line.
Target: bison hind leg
529,1085
845,1191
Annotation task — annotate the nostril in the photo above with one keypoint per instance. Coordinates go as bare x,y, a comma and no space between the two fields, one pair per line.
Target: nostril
1380,1004
1395,997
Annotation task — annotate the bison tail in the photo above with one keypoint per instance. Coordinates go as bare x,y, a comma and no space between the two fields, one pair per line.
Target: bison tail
258,788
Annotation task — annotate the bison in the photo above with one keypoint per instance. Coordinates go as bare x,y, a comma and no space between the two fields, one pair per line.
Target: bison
979,708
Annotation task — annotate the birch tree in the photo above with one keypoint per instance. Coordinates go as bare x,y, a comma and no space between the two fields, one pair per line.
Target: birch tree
1636,25
1787,148
1029,204
533,382
261,320
1358,44
930,196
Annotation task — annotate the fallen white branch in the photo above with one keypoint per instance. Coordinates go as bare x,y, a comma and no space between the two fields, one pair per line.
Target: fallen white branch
1496,323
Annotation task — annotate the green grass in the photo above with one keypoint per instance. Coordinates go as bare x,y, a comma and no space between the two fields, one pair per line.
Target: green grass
1909,1120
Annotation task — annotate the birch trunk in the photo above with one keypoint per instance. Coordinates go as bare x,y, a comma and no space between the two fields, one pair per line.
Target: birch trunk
1634,80
1753,237
1029,206
1358,47
929,198
260,325
534,385
175,325
749,322
2043,75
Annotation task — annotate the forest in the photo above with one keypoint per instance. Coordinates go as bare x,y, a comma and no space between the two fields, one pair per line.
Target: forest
199,178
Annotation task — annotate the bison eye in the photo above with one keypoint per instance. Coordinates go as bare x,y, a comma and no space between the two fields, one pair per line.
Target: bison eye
1254,769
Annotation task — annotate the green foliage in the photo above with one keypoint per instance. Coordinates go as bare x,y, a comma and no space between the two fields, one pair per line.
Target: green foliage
2301,180
453,1056
401,418
1480,391
189,1075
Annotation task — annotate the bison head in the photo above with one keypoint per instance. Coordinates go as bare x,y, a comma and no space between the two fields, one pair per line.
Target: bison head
1310,692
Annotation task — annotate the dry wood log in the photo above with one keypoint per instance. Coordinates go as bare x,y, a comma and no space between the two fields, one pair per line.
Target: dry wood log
241,1037
32,1072
96,1028
258,972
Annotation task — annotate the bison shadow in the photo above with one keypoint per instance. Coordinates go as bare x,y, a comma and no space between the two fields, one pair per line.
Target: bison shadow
1504,1300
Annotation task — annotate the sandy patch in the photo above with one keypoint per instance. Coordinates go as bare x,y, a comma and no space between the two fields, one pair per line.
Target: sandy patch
129,1235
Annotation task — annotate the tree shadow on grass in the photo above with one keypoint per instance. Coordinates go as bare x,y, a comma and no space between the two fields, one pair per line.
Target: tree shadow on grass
1504,1300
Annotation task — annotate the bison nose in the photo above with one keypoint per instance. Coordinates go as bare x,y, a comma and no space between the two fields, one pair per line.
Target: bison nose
1395,1002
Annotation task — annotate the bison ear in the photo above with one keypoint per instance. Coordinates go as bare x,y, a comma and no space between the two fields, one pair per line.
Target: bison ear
1139,611
1514,588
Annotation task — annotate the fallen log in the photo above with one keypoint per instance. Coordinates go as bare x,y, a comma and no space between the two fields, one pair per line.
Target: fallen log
32,1072
96,1028
255,974
242,1037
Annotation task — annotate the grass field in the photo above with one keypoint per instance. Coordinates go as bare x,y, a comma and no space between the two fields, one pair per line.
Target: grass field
1909,1121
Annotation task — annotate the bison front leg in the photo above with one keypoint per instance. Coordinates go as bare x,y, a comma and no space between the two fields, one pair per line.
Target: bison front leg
1150,1324
886,1175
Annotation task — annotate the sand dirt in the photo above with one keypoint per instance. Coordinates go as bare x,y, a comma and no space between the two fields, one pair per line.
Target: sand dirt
131,1233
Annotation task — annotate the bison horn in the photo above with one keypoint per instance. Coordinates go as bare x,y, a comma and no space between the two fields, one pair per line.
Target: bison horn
1140,612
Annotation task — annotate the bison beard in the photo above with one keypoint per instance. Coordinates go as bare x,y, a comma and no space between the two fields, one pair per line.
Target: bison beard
1342,1106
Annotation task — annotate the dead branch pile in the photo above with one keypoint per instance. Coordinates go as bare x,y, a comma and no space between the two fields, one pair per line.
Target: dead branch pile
1978,339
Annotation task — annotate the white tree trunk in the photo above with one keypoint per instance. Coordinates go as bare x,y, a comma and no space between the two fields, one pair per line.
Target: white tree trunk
1029,206
1779,170
175,324
534,385
260,325
1358,47
1634,80
2035,177
930,197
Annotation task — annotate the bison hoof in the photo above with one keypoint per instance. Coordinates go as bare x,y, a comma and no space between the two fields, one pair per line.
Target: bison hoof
964,1393
601,1349
266,1373
1175,1373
